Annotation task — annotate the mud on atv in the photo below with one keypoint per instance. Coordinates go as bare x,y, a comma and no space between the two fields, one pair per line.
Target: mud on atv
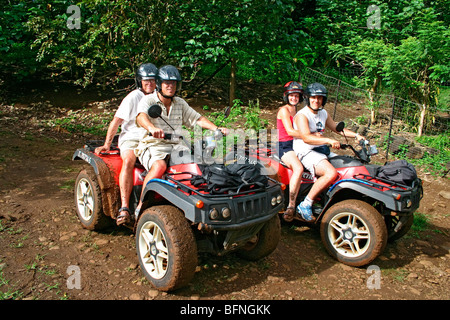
178,220
360,212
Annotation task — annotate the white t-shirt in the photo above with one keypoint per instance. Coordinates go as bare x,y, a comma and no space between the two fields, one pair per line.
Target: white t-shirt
316,124
127,111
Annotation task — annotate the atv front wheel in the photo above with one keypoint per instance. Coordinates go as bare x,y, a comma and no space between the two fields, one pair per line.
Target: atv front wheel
353,232
88,201
166,247
264,243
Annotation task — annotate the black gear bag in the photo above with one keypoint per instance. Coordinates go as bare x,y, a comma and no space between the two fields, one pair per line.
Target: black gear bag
218,178
399,171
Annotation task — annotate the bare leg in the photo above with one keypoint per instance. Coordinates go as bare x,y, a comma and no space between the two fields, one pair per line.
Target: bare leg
126,176
292,161
327,174
156,171
126,185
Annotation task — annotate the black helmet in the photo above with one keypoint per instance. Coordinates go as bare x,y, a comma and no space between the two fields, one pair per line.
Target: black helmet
167,73
145,71
316,89
292,87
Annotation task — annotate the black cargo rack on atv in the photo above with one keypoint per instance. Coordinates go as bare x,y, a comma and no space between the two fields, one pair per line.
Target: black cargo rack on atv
388,184
201,192
395,196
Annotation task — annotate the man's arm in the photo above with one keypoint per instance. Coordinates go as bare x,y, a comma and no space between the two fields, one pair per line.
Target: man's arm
331,124
112,129
144,121
311,138
206,124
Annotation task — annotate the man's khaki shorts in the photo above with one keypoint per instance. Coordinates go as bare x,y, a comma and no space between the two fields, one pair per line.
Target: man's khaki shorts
154,153
312,159
128,145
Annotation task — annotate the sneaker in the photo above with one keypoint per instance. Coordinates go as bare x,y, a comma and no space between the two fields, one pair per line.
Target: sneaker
305,211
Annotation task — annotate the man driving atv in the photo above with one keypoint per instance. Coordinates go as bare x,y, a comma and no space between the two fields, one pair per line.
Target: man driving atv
312,148
153,150
130,134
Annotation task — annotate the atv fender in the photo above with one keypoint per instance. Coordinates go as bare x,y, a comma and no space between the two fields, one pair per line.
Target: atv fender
169,191
364,188
110,191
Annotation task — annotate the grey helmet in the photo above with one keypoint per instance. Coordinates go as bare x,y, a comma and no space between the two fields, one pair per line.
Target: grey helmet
316,89
167,73
145,71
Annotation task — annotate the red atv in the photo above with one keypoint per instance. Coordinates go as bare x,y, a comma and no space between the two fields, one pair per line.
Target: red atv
360,211
178,219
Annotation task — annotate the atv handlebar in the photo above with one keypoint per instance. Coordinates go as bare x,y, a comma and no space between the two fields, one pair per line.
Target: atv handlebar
364,153
170,136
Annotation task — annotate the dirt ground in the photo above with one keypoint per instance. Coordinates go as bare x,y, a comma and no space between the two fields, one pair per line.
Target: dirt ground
42,244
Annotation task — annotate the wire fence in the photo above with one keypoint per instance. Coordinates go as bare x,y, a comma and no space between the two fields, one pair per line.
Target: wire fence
389,120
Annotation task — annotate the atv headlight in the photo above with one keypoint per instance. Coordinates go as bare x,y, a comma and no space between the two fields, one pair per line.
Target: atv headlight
279,198
213,214
408,203
226,213
273,201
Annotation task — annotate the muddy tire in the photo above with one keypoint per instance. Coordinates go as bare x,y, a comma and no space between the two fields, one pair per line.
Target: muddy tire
353,232
88,201
166,248
264,243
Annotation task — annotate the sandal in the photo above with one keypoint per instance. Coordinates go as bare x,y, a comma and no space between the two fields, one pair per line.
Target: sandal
288,215
124,217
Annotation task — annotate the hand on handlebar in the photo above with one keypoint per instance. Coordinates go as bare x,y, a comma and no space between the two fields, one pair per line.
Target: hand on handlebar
101,149
156,132
359,138
223,130
334,144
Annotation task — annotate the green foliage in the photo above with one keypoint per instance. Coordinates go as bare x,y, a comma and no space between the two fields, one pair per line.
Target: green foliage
270,39
115,36
434,161
443,98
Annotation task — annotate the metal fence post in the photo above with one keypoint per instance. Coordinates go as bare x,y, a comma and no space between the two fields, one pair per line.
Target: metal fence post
390,128
336,101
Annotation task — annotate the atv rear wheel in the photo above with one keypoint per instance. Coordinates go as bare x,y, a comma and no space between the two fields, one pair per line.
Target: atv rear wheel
265,241
88,201
353,232
166,247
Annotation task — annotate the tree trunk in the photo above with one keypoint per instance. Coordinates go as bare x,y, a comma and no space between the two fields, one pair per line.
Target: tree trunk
232,81
423,112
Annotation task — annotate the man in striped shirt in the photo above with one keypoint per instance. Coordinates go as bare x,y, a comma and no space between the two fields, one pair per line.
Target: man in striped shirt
152,150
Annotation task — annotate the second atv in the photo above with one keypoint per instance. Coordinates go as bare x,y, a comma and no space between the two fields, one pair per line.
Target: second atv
360,211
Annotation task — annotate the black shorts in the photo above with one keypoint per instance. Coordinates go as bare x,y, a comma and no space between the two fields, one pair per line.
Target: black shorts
284,147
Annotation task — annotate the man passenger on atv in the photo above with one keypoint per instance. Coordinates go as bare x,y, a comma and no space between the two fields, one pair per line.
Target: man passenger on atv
130,134
292,96
153,150
312,147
